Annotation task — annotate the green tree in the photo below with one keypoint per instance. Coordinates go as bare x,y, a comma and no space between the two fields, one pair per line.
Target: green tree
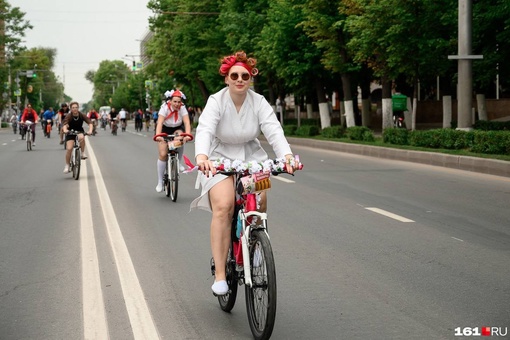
185,47
106,80
12,30
400,37
46,89
293,55
491,37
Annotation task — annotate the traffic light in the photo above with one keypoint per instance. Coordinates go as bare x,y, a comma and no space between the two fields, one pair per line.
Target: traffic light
134,66
31,74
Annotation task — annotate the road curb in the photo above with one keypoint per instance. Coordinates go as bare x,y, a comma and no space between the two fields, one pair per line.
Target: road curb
481,165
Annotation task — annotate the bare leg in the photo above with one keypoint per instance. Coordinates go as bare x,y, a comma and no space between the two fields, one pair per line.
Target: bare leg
222,202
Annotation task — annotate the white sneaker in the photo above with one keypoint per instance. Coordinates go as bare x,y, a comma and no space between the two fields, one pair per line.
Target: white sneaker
159,188
66,169
182,168
33,143
220,287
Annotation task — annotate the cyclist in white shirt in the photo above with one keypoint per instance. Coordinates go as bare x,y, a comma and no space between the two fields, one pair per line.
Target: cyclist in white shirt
122,117
172,119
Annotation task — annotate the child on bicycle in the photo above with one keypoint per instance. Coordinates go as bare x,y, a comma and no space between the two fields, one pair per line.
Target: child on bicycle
172,119
230,123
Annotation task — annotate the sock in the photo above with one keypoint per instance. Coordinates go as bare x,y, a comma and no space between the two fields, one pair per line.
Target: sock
181,152
161,170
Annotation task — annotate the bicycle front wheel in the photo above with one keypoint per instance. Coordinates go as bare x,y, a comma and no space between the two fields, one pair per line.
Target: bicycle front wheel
174,178
166,178
77,163
261,296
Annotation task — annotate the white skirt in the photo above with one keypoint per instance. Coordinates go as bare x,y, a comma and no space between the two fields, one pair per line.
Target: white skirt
202,202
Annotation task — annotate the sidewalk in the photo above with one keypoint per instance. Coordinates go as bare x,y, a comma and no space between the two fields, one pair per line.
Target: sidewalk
482,165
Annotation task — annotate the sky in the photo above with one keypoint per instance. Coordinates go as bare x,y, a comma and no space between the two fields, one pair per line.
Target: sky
84,33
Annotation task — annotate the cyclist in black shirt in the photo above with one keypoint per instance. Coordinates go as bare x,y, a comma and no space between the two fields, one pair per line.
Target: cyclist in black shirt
74,121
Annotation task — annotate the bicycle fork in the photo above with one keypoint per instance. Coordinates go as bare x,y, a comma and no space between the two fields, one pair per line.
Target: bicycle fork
245,239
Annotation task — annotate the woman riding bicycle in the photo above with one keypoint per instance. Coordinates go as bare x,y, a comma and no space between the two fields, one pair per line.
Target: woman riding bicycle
230,123
74,121
172,119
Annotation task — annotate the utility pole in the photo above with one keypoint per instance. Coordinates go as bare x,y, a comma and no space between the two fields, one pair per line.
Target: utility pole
465,66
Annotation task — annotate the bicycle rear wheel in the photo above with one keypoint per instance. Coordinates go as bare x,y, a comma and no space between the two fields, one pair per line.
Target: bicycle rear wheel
77,163
174,178
261,296
228,300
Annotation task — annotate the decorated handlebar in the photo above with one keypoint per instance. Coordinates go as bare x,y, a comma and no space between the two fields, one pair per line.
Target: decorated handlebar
225,165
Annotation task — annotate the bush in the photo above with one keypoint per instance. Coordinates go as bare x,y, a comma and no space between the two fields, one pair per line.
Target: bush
368,136
425,139
491,142
396,136
4,125
491,125
333,132
289,130
455,139
307,130
360,133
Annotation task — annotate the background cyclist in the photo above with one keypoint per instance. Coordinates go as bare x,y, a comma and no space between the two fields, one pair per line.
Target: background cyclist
62,112
172,119
29,114
47,115
74,121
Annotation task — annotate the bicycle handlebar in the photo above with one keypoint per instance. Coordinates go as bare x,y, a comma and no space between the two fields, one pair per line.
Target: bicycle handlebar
75,133
227,167
168,137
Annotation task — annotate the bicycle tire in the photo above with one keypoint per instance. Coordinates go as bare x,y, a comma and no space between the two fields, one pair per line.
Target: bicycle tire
166,179
29,140
261,296
228,300
77,164
174,178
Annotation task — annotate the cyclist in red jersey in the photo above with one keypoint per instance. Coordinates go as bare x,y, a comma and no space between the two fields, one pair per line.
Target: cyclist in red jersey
29,114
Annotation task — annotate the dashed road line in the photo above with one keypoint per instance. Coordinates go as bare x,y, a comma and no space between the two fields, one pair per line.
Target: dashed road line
390,215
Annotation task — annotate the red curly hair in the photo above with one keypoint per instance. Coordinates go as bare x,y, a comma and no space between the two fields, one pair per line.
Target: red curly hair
238,58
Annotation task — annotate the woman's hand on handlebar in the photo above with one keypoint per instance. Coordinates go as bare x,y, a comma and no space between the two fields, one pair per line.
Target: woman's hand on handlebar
292,163
206,166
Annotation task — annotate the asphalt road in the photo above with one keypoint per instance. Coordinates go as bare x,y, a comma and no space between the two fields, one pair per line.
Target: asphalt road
365,248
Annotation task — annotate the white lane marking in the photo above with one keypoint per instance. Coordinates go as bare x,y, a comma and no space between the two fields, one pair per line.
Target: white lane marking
95,325
4,144
139,314
283,179
390,215
457,239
